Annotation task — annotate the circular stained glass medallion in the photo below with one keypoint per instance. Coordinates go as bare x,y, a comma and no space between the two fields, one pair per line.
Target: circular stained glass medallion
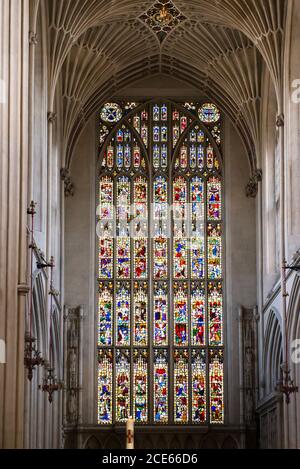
209,113
111,113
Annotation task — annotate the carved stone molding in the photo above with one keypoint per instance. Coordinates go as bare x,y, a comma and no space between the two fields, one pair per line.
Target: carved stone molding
73,364
66,178
23,289
33,38
252,186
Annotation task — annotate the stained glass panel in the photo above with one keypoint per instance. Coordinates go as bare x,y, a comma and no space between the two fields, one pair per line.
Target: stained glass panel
176,134
181,386
111,113
183,157
199,386
140,386
140,224
137,157
209,113
198,315
210,157
161,386
200,157
160,314
106,229
106,258
105,374
215,311
140,315
122,408
214,199
123,258
123,315
214,252
198,235
216,377
181,315
145,134
123,207
180,228
160,137
160,228
105,319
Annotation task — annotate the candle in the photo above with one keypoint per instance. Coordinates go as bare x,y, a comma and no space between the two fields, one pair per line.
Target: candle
130,433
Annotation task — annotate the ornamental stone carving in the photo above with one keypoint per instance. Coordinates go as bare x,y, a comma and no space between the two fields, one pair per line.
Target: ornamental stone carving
68,184
252,186
73,326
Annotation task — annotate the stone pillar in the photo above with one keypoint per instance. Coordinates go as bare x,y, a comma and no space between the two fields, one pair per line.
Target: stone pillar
280,124
14,55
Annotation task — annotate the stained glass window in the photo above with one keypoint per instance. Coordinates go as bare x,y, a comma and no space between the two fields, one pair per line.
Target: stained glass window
160,228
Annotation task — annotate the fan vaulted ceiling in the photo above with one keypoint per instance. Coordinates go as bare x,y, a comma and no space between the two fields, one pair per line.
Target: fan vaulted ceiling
219,46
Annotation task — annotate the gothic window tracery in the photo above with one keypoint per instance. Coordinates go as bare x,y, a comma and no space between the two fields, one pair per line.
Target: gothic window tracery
160,276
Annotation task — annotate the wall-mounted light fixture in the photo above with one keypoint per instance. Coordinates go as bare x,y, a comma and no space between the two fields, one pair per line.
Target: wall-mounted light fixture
286,385
32,357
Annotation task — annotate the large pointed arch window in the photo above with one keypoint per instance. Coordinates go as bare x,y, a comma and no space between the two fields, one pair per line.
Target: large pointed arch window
160,276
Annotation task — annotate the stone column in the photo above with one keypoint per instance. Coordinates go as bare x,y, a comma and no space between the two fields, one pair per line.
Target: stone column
14,30
280,124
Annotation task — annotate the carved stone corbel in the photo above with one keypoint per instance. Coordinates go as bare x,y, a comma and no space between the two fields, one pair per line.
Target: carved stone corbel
66,178
280,120
33,38
52,116
252,186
